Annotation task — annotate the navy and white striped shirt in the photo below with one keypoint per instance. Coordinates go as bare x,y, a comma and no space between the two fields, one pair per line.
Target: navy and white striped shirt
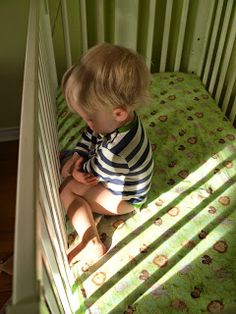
121,160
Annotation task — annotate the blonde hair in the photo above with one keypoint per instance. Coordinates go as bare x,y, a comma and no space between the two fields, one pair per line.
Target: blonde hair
107,75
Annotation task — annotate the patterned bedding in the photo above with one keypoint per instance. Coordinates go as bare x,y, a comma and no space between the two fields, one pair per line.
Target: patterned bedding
178,254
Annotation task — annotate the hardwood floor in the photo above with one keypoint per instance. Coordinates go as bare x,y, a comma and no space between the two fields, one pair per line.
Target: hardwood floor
8,168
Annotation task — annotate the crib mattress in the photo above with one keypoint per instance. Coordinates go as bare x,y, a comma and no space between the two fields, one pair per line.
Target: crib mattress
178,254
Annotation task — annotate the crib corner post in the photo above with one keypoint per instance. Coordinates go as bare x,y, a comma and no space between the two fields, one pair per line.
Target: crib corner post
34,304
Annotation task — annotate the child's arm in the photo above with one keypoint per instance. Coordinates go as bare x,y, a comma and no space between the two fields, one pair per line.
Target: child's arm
81,176
73,167
82,148
68,164
107,166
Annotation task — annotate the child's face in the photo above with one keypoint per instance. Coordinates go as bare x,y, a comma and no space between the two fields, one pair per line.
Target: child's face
103,121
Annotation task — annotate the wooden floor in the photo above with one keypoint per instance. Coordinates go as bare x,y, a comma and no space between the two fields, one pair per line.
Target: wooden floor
8,168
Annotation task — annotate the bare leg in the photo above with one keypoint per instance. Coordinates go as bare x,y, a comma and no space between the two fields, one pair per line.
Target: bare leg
80,201
104,202
80,214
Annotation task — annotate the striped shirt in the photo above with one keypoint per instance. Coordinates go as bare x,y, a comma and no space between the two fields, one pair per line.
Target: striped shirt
121,160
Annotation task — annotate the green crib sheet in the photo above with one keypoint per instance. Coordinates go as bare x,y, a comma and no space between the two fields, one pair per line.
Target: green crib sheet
178,254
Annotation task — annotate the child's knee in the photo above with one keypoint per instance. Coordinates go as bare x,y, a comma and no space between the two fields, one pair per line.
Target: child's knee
71,186
64,184
67,196
124,208
65,190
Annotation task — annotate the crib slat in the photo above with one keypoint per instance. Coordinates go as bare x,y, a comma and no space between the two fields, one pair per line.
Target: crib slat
49,292
44,100
226,60
181,35
50,115
51,66
52,186
48,249
49,197
54,200
45,127
166,34
230,85
83,17
213,41
206,38
100,20
66,33
48,71
126,23
150,32
46,201
53,190
49,100
233,111
49,215
220,50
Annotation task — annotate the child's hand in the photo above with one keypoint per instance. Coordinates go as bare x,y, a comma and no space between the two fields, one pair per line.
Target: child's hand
78,164
82,177
68,166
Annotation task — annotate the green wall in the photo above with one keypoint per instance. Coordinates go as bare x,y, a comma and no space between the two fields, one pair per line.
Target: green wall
74,21
13,22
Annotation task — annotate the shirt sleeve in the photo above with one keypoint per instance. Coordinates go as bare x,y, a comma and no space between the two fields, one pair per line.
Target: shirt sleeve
84,146
106,166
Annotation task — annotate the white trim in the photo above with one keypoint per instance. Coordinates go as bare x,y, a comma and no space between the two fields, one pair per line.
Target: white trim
9,134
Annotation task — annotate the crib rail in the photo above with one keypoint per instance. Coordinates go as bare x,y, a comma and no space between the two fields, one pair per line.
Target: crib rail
42,280
173,35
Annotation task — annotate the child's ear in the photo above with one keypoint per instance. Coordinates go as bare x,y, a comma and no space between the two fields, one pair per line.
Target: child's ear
120,114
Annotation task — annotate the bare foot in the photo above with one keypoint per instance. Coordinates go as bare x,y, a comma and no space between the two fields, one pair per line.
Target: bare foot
90,253
75,251
72,247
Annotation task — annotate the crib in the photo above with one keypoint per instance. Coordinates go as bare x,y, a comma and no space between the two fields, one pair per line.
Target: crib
190,48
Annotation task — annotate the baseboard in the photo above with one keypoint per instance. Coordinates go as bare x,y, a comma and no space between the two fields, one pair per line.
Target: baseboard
9,134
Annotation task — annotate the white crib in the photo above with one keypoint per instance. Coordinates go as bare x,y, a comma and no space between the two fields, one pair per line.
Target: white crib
42,278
